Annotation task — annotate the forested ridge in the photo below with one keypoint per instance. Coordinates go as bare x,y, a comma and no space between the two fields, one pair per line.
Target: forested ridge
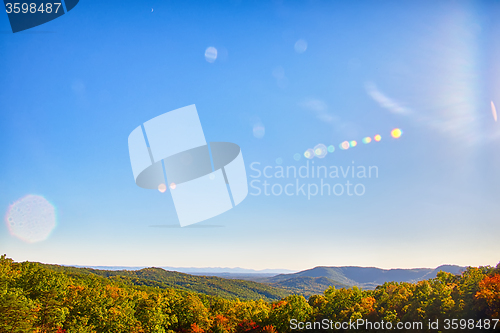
209,285
36,297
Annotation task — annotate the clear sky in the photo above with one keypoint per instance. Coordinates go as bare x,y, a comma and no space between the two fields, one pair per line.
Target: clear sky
309,73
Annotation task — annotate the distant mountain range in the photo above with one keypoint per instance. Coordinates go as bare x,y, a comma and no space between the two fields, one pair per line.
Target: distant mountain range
317,279
267,284
210,271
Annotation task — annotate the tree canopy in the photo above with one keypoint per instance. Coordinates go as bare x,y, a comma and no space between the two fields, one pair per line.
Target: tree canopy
40,298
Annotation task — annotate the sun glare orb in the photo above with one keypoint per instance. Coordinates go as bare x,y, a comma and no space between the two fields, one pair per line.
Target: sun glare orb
31,218
353,143
309,154
259,131
377,137
367,140
162,188
320,150
396,133
211,54
173,186
494,110
279,73
331,148
296,156
345,145
279,160
300,46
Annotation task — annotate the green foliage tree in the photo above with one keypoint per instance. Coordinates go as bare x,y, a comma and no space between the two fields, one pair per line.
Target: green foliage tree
154,313
392,301
189,310
291,307
346,304
17,311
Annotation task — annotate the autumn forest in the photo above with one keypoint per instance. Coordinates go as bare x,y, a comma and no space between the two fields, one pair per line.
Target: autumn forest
37,297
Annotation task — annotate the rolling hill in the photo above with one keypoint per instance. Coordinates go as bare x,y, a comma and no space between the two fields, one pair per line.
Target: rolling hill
208,285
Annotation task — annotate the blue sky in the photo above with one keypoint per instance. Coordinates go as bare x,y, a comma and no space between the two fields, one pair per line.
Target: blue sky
74,88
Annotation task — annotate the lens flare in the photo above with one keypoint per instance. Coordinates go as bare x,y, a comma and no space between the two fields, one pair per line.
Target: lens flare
31,218
259,131
279,73
494,110
320,150
162,188
309,153
173,186
211,54
300,46
279,160
396,133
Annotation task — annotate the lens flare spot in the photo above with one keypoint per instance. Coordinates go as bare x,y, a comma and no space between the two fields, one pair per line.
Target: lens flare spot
300,46
353,143
296,156
162,188
211,54
279,160
309,153
331,149
31,218
345,145
396,133
367,140
320,150
494,110
259,131
377,137
173,186
279,73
